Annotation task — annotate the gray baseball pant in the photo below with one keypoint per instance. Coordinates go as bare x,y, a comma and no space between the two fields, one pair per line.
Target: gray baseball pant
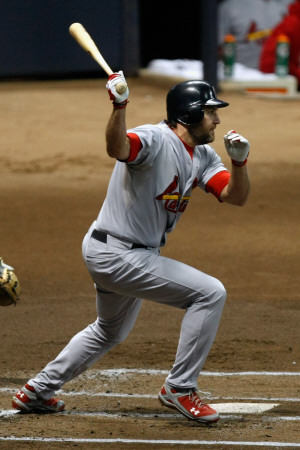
123,277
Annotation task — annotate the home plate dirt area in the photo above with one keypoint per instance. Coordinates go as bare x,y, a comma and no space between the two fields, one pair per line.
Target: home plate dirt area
53,181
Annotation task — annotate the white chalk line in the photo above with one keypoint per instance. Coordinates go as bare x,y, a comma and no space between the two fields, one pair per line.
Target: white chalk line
12,412
122,371
151,396
92,374
153,441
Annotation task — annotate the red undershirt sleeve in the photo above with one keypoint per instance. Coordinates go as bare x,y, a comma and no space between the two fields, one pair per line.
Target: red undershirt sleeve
217,183
135,146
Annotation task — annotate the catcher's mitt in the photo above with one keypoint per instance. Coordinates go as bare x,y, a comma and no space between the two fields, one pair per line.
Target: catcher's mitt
9,285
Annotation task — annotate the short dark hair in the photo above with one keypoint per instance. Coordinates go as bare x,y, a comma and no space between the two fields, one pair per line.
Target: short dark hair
171,123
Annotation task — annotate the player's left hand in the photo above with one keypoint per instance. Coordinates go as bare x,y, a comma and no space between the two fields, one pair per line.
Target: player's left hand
237,147
115,78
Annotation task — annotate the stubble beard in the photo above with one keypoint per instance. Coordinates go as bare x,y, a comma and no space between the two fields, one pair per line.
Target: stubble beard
199,136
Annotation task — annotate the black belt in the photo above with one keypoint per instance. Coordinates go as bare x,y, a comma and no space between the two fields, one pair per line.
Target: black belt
102,237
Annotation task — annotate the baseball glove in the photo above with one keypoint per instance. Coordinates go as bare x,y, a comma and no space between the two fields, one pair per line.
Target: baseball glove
9,285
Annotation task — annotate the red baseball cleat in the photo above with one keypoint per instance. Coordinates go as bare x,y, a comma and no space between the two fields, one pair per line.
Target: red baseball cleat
188,403
26,401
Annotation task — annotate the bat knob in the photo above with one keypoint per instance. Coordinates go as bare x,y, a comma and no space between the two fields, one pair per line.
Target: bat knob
121,88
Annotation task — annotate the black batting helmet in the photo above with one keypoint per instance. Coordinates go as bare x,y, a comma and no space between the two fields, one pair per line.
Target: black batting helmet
185,101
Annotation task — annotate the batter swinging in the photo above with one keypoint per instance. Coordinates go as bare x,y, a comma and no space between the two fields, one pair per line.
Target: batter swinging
156,170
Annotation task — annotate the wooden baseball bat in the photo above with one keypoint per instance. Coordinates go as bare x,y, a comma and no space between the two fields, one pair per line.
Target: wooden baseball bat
79,33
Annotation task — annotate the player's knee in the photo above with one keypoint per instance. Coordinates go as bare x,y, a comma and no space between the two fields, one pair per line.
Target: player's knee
120,337
218,291
222,293
108,334
213,293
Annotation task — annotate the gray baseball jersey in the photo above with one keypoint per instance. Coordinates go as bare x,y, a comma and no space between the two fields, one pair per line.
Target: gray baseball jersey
147,196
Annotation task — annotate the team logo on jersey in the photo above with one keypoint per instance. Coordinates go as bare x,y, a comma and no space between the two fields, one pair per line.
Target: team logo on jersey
174,202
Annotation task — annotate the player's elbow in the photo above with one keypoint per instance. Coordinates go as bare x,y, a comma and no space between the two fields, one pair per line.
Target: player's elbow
238,199
118,150
241,203
241,200
111,151
236,195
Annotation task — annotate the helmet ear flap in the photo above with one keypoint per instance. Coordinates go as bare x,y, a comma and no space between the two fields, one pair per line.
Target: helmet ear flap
194,114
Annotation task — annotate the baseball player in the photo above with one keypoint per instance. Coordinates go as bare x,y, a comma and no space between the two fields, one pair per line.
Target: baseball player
157,168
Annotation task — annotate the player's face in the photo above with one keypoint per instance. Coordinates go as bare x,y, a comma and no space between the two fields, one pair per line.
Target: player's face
204,132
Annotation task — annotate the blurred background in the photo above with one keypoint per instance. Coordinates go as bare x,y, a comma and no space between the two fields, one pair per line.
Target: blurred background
35,42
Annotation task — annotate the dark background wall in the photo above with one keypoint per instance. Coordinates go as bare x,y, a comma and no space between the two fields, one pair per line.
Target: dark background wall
35,42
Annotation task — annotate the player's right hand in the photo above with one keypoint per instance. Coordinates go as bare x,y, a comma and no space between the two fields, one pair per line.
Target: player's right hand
119,100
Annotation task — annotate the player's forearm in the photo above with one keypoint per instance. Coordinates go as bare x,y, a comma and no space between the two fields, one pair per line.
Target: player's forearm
238,188
117,145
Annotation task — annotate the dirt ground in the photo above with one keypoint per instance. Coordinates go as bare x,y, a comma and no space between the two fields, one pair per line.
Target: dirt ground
54,174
